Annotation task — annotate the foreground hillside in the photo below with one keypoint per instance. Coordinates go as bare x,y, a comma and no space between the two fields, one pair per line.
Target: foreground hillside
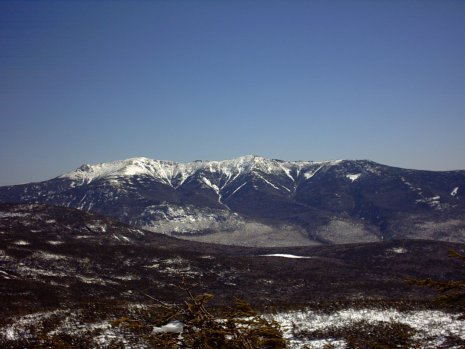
65,268
56,255
253,201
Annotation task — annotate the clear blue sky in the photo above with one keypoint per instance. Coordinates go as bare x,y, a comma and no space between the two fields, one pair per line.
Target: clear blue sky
90,81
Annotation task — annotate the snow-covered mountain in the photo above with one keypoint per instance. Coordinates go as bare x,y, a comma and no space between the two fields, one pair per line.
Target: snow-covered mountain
252,200
218,175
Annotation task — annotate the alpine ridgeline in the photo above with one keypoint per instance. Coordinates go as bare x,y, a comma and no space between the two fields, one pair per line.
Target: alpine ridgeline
256,201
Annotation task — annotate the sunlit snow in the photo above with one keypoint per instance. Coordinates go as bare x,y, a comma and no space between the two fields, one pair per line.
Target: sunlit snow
284,255
432,326
21,243
353,177
398,250
171,327
175,174
13,214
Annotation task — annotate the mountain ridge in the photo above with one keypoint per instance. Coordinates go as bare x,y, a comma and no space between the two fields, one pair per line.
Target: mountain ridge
252,200
171,169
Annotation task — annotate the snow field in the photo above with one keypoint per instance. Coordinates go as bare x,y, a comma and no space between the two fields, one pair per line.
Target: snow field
432,325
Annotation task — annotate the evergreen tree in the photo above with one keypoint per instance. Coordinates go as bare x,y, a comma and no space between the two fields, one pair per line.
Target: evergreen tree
239,327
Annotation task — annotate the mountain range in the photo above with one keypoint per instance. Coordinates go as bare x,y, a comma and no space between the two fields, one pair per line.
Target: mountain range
254,201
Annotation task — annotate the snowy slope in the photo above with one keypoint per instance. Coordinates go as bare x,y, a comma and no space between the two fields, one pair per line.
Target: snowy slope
175,173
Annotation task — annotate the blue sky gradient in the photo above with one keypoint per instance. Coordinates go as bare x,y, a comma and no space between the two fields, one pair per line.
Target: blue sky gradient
94,81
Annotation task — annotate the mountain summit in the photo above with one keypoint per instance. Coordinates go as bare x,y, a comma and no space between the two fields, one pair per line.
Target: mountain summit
257,201
175,173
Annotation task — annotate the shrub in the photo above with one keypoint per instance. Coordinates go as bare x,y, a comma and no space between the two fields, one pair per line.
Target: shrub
382,335
451,292
238,327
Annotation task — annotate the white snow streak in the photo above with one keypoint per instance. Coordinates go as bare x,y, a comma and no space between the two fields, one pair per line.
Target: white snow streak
309,175
398,250
21,243
284,255
266,181
287,172
235,191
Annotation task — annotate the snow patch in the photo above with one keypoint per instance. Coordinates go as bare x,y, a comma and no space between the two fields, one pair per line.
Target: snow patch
310,174
55,242
92,280
284,255
5,275
169,218
287,171
17,329
21,243
48,256
34,272
398,250
431,325
170,327
4,257
433,202
97,227
13,214
353,177
127,277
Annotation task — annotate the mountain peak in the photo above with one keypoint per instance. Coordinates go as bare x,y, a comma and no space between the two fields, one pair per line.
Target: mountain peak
250,158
